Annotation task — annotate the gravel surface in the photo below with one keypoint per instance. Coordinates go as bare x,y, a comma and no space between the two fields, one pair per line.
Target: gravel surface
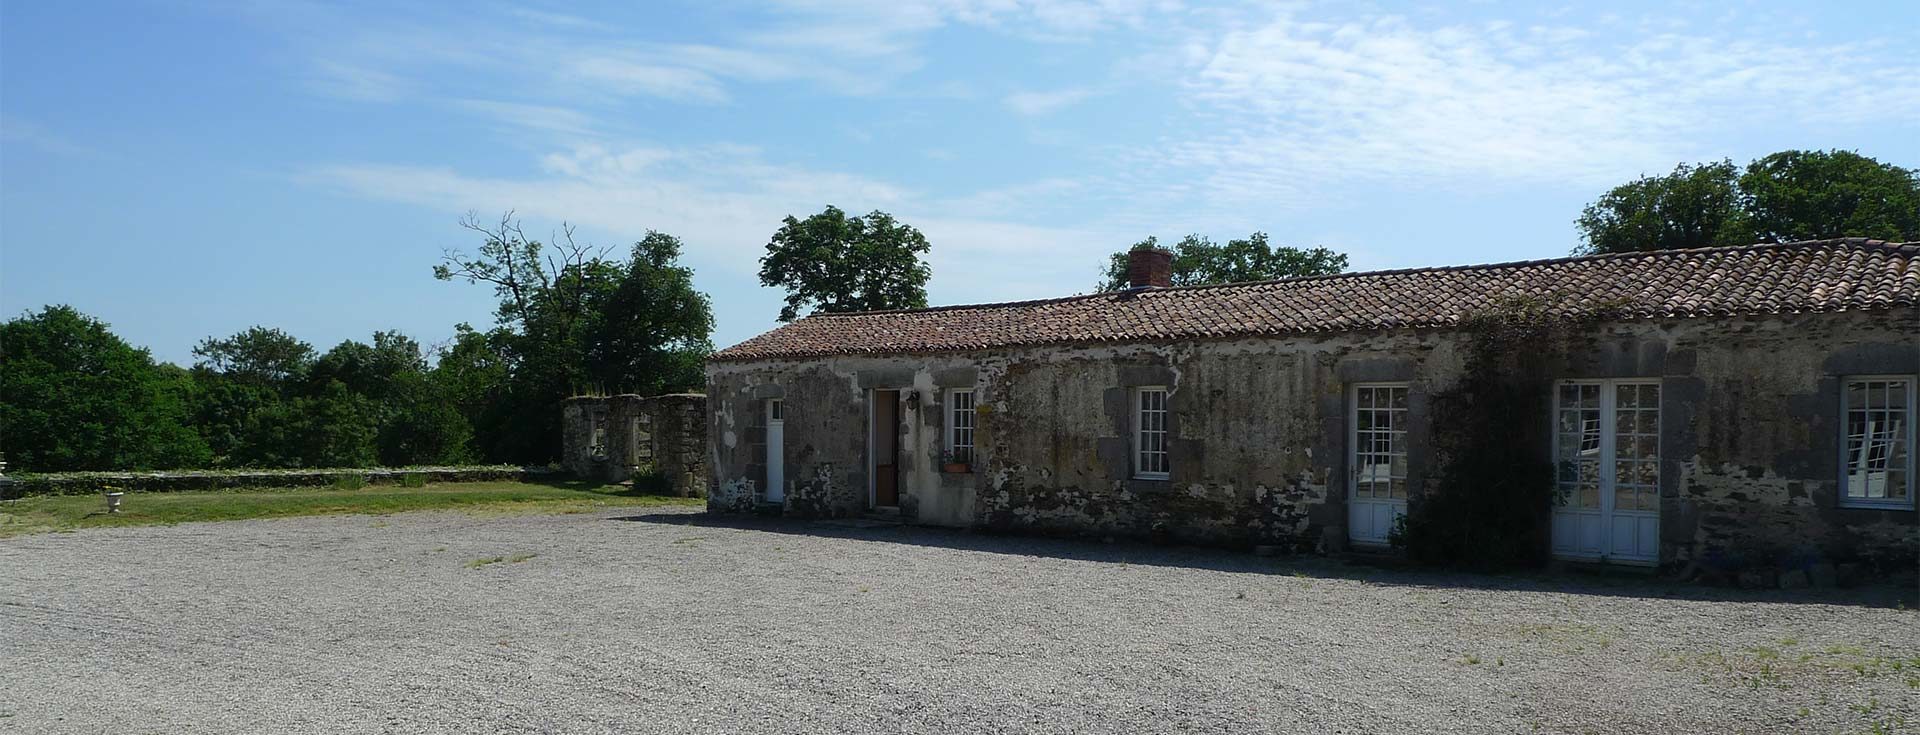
672,621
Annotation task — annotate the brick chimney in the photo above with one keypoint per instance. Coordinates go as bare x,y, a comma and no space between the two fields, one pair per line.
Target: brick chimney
1149,268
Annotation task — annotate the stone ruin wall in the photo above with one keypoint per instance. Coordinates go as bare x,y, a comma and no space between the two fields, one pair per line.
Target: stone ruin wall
615,438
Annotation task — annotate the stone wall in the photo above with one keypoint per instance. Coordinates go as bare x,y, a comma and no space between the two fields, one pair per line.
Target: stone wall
1749,471
82,483
658,438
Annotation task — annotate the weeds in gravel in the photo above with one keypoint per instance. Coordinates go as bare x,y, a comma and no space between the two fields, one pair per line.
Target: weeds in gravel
1570,638
484,561
1757,667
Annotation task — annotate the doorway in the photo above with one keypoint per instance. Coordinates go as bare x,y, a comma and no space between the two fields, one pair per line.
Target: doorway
1606,456
1376,461
776,459
883,444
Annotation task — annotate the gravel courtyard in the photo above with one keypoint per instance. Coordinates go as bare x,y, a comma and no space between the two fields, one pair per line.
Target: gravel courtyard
672,621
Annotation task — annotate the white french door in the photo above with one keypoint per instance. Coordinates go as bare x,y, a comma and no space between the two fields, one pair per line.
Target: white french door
1606,456
1376,461
776,451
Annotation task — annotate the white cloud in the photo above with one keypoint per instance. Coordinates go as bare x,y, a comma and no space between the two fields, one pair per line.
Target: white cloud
557,120
1297,105
353,81
1044,103
659,80
724,201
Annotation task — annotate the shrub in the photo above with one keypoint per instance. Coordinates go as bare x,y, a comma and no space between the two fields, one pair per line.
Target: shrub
413,479
353,481
651,481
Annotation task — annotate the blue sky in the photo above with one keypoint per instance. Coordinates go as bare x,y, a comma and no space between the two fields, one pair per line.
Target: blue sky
183,169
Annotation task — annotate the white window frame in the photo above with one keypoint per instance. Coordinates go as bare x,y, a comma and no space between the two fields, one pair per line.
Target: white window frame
1847,501
1140,452
954,415
1353,441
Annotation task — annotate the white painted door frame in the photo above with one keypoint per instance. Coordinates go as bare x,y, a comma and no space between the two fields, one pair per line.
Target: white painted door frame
1600,527
776,458
1371,516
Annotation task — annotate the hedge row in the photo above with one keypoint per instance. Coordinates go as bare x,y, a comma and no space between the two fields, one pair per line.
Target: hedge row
84,483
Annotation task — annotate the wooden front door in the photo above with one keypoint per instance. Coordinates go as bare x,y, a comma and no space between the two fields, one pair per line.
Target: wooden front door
885,446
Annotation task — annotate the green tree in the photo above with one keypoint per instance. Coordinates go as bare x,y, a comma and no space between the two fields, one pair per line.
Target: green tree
570,319
1693,207
258,356
257,370
833,263
473,373
421,425
650,330
369,369
222,410
1790,195
1807,195
414,419
335,427
1198,261
73,396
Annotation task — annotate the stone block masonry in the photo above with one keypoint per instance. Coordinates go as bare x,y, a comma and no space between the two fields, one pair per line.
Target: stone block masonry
1262,439
630,437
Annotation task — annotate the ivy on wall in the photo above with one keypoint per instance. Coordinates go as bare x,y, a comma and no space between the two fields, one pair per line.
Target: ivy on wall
1488,504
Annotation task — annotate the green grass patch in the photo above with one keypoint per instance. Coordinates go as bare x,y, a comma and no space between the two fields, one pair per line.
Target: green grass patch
70,512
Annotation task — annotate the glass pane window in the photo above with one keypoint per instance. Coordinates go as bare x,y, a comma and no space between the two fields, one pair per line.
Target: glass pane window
1636,447
1380,441
1878,463
960,426
1577,446
1150,433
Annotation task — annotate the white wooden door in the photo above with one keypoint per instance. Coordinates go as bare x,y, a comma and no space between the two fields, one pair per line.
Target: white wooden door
1606,449
1377,461
776,469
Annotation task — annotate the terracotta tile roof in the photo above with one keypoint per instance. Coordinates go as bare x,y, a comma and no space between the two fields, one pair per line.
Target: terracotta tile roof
1849,274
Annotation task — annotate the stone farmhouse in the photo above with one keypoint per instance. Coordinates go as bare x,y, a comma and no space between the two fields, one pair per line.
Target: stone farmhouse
1735,406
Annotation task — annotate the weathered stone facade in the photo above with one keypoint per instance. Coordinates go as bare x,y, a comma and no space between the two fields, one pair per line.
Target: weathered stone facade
613,438
1749,471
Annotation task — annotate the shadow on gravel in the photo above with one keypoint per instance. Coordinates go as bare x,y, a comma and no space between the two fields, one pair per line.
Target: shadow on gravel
1576,581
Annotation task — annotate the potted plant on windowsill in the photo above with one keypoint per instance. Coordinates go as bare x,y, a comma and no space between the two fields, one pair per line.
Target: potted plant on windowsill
955,464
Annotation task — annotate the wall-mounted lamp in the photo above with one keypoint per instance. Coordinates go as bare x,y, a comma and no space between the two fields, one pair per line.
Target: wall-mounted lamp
913,400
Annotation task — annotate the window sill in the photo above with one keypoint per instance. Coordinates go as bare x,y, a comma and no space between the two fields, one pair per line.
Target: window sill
1905,505
1153,477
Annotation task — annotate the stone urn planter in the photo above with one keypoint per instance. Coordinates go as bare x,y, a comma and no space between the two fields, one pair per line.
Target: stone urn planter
113,500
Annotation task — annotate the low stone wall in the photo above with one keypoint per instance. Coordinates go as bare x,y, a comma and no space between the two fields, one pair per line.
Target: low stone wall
662,439
83,483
